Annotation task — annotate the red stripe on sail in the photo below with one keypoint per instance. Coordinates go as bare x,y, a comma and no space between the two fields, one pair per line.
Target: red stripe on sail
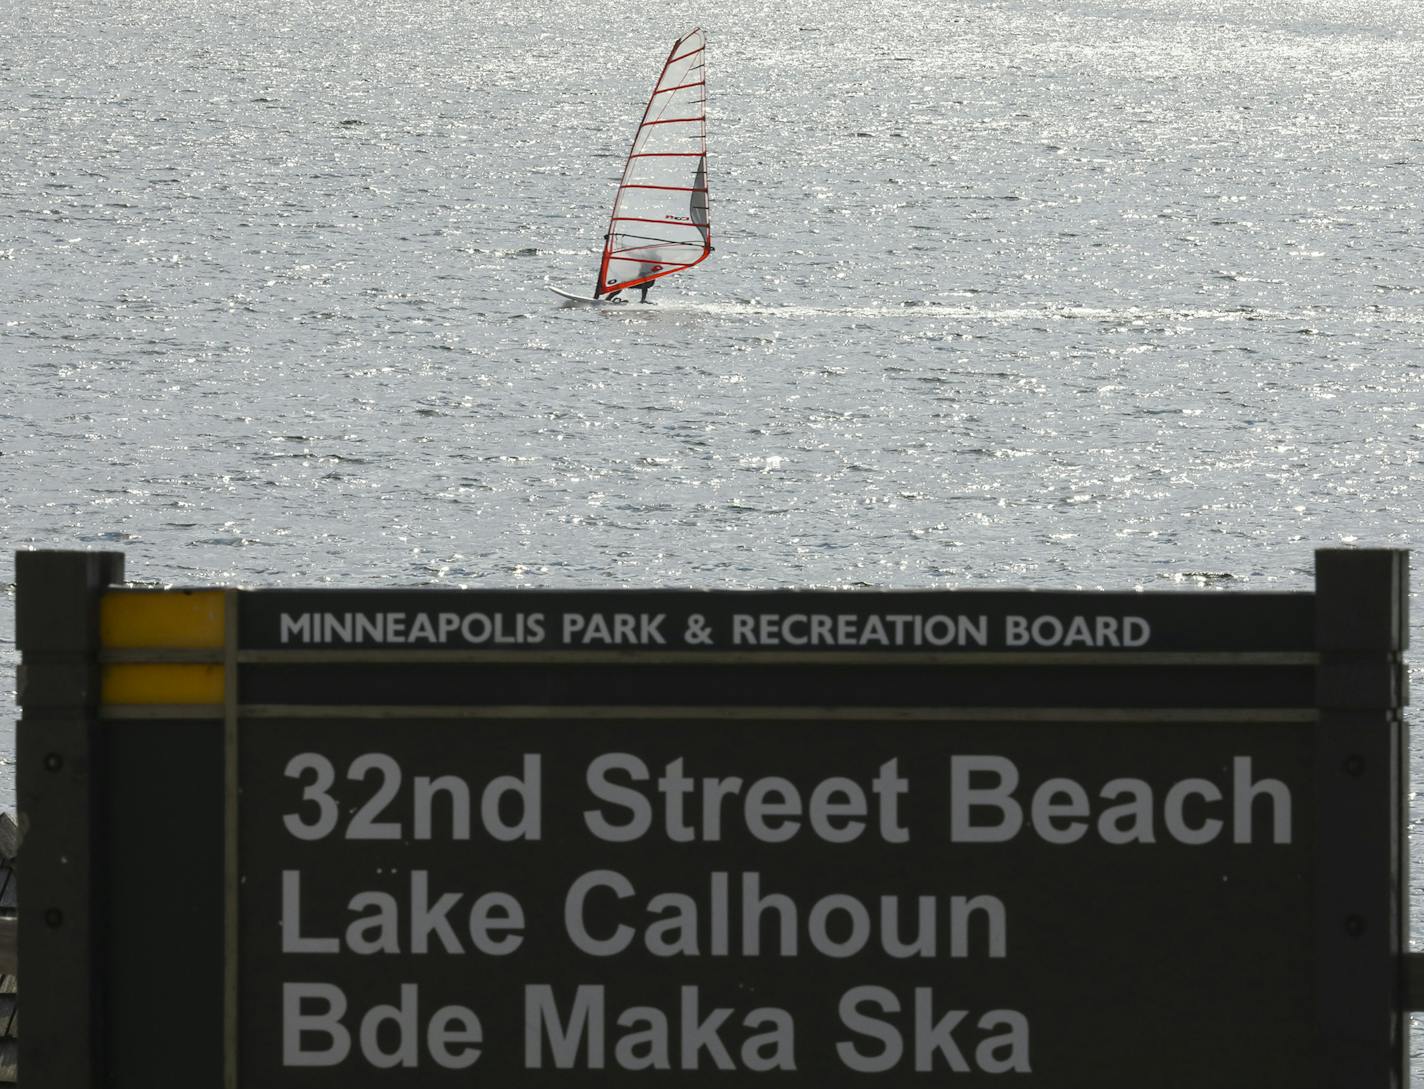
680,87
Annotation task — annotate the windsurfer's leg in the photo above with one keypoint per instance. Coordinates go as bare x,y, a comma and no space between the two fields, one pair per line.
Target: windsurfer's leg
644,290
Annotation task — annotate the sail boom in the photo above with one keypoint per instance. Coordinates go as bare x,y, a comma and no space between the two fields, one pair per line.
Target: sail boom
649,248
672,266
660,222
639,281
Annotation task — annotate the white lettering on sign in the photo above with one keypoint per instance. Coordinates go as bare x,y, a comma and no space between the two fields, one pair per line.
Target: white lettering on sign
886,910
510,805
853,630
614,629
411,629
762,1039
650,630
320,1036
771,808
1076,631
494,921
1000,1044
1060,810
838,925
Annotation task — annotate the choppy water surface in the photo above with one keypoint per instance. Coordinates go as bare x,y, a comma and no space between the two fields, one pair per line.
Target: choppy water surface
1006,294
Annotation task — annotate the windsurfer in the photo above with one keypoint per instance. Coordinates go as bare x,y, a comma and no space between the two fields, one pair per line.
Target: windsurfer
659,223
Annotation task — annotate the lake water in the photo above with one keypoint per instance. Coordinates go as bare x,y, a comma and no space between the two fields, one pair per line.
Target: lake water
1043,294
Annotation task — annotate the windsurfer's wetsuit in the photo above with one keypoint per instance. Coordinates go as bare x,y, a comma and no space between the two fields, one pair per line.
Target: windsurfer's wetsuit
644,289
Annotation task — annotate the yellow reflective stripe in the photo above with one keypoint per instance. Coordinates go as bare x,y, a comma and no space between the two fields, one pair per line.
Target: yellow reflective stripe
161,619
128,683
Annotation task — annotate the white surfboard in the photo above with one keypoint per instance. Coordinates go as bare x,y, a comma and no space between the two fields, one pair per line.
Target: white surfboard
579,300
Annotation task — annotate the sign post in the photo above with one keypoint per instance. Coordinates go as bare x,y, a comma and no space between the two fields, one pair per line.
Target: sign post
60,820
382,837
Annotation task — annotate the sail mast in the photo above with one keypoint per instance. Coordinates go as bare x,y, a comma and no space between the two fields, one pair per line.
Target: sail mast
660,222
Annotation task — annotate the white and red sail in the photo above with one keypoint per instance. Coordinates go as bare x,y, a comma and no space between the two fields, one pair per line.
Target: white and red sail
660,216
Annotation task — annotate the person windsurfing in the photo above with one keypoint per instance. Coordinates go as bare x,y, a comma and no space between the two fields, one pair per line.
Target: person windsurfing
660,220
647,270
612,296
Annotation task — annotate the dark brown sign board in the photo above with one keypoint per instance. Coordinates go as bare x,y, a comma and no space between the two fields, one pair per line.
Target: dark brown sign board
350,838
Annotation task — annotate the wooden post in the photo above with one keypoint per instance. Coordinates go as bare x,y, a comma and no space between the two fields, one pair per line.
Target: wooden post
57,632
1360,632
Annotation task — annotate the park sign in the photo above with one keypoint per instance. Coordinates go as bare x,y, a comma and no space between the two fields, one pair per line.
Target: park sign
367,838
